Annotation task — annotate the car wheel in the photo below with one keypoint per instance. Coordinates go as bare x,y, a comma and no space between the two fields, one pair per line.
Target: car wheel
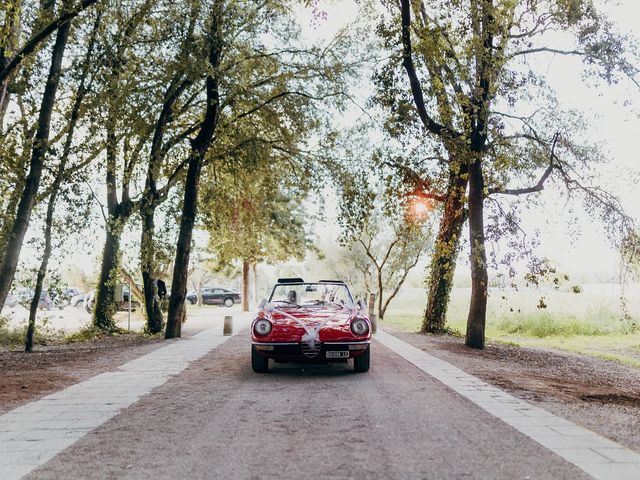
361,362
192,301
259,363
78,304
228,302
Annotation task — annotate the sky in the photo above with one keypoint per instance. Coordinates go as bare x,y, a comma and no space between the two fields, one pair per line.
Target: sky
613,125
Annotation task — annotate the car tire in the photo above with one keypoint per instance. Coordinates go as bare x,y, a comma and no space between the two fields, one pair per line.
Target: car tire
228,302
362,361
192,301
259,363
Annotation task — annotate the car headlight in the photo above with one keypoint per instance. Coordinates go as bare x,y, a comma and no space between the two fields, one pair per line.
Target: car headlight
359,326
262,327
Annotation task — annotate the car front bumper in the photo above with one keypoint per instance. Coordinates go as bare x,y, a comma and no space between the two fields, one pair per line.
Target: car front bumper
301,353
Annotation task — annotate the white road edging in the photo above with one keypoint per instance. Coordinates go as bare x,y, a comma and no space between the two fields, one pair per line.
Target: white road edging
33,434
598,456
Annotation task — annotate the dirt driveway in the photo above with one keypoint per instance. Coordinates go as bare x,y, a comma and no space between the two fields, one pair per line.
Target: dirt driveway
224,418
218,419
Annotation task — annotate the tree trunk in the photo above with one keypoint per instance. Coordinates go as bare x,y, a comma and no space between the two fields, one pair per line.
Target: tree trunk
55,188
445,253
9,261
479,278
199,147
155,320
245,285
379,295
42,271
254,275
105,306
9,213
183,248
33,311
118,213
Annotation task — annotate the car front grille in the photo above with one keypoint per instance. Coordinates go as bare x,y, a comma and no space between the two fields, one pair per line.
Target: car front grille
310,351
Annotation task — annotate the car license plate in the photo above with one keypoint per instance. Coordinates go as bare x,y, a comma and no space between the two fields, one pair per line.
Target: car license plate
338,354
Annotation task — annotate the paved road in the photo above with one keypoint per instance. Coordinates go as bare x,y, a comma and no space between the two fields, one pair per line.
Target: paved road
218,419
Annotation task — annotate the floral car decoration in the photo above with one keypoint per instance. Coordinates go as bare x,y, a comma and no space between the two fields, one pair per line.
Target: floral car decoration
310,322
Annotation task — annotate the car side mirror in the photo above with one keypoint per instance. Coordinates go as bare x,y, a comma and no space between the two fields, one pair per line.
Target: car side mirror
263,302
360,304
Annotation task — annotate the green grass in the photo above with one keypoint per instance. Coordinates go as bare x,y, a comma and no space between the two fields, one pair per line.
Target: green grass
589,323
14,337
11,337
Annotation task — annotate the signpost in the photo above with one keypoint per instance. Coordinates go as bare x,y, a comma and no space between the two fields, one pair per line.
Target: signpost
129,320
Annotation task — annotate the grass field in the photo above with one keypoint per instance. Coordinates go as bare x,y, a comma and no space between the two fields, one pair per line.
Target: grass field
590,322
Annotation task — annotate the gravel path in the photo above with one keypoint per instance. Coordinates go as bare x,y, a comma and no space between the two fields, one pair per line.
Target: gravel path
600,395
28,376
220,420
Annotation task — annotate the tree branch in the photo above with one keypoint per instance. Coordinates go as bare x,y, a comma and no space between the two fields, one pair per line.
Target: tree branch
42,35
280,95
407,61
548,50
538,186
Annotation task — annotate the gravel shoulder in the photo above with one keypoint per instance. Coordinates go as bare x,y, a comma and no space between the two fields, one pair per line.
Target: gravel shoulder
29,376
600,395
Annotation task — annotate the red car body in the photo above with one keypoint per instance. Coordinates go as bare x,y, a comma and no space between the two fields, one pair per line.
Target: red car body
293,326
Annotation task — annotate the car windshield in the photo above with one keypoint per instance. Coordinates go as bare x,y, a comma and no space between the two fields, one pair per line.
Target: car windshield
311,295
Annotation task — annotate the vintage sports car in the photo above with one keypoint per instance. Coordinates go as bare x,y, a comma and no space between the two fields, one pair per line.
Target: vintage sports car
305,322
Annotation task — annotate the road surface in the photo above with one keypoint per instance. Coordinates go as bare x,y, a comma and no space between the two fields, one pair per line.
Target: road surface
218,419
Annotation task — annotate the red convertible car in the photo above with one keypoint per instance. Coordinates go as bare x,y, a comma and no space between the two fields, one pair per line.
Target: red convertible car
305,322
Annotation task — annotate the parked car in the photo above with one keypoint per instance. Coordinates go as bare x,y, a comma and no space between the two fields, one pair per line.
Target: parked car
25,295
306,322
78,300
121,306
68,294
215,295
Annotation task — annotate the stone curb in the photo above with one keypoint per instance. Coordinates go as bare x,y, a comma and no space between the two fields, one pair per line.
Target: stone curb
36,432
598,456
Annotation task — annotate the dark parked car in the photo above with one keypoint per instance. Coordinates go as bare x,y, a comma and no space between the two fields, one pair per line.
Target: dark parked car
215,296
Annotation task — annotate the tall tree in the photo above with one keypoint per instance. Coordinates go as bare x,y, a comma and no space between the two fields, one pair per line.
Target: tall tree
126,133
74,117
464,63
146,126
253,214
265,91
11,253
173,125
199,147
